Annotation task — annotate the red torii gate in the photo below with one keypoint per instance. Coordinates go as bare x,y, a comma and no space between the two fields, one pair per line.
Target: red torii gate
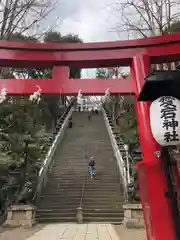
138,54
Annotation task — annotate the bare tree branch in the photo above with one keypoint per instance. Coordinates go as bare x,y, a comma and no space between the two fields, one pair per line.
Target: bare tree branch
21,16
147,17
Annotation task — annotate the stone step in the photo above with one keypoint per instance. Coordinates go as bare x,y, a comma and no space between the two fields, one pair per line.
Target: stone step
91,189
91,194
114,220
80,176
78,184
85,200
56,210
87,179
47,206
56,219
86,204
102,200
83,173
106,183
85,210
104,215
86,194
56,214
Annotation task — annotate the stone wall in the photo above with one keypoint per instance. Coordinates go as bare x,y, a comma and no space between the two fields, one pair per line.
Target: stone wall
133,216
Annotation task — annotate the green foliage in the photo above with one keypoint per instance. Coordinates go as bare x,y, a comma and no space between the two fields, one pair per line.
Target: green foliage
56,37
102,73
16,37
52,37
173,28
40,73
20,127
128,124
71,38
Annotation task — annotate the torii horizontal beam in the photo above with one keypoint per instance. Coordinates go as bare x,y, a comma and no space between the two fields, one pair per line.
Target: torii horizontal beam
67,86
98,86
89,55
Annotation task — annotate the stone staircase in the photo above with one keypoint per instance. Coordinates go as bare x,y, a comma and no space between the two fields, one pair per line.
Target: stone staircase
69,179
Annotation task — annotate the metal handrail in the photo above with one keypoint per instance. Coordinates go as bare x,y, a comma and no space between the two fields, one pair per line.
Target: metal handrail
48,152
121,164
62,116
43,168
126,153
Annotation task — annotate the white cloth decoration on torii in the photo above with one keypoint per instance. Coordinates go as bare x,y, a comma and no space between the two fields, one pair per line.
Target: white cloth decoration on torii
80,99
107,95
3,95
36,96
165,120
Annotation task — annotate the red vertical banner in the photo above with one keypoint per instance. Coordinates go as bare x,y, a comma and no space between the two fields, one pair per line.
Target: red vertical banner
156,206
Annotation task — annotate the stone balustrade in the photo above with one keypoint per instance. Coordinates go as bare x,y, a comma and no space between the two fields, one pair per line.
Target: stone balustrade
20,215
133,216
117,154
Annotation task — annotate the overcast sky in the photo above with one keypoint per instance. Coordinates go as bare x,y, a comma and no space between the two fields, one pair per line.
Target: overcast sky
91,19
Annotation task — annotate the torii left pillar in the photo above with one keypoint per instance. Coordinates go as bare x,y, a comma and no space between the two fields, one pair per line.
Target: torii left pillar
157,212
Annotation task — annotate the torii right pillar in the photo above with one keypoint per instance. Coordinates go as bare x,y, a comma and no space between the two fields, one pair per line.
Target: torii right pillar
156,206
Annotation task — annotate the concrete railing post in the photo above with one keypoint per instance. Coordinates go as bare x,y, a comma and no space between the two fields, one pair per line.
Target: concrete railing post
79,215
